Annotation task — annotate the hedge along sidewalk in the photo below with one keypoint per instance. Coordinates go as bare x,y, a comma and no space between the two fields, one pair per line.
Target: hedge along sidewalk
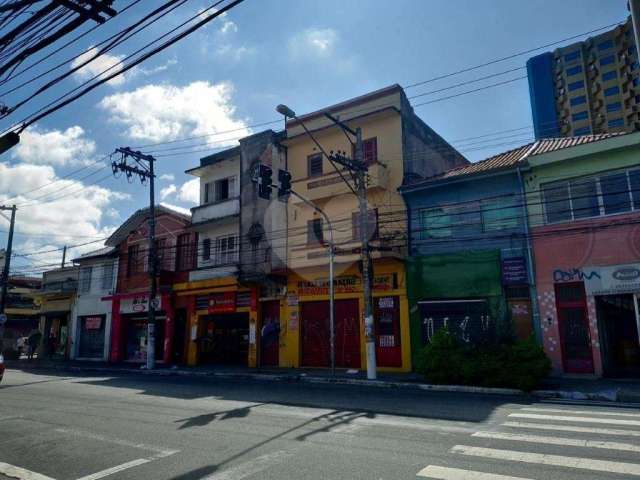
627,393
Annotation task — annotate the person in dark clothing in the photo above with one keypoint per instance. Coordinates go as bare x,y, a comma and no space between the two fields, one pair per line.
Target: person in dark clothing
33,342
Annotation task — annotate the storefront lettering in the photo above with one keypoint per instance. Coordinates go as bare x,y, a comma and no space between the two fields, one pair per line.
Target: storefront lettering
574,274
222,302
627,274
345,284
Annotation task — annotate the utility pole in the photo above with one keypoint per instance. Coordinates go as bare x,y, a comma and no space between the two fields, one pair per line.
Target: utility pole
143,167
64,256
369,333
5,270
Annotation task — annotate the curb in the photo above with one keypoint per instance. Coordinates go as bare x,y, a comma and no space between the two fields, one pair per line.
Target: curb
611,396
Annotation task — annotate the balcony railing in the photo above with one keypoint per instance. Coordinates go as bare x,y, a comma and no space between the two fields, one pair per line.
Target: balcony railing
331,184
215,211
62,286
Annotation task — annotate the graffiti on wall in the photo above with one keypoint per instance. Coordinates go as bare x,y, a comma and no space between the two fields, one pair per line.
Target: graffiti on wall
574,275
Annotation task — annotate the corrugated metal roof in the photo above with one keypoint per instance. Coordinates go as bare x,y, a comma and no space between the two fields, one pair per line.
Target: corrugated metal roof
101,252
510,158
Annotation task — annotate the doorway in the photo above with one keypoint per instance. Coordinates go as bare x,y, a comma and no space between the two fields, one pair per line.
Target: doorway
387,328
180,336
619,335
573,326
224,339
270,334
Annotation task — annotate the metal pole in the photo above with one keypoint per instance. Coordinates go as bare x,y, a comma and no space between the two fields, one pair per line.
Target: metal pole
634,6
332,329
64,255
151,327
7,266
369,333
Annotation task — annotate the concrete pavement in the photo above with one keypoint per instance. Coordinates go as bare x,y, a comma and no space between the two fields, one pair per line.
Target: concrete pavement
72,426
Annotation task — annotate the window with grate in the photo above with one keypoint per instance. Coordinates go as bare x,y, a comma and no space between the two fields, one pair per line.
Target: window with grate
206,249
85,279
185,253
314,165
134,260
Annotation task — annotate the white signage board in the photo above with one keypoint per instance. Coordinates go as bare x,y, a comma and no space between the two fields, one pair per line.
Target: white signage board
611,280
138,304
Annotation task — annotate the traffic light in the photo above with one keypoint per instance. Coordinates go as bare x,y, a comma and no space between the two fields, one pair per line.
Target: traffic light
284,190
264,182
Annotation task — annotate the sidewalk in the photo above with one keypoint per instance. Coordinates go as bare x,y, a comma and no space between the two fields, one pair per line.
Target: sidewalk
568,388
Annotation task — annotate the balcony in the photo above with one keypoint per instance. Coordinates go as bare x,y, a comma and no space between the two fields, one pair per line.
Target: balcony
209,273
62,286
331,184
215,211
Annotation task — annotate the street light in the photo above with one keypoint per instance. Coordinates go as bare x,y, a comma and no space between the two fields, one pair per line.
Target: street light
288,113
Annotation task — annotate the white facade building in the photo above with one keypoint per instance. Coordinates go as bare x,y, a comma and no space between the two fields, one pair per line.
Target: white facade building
217,218
91,316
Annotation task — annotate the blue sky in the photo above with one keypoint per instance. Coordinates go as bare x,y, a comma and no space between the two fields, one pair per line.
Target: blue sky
306,53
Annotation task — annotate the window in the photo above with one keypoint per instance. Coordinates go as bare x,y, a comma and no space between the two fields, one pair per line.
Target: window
614,107
134,263
185,253
499,214
615,193
556,202
314,165
634,183
570,57
582,131
370,150
608,60
584,198
636,82
574,70
372,225
609,75
436,223
616,122
578,100
85,279
226,250
611,91
315,234
587,197
206,249
576,117
219,190
605,45
576,85
107,276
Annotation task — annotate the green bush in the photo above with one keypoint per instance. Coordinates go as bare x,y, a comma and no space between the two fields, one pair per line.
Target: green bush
520,365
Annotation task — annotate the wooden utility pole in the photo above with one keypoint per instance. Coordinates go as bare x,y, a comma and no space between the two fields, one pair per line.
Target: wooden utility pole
5,270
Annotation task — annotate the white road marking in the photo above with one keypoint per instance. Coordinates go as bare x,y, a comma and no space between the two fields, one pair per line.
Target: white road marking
551,460
116,469
160,452
562,418
251,467
573,428
444,473
573,442
581,412
21,473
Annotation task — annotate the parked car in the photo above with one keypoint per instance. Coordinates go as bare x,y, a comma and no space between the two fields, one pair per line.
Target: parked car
1,367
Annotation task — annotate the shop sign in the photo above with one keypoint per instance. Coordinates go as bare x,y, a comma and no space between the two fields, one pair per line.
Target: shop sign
92,323
224,302
138,304
514,271
385,302
385,282
292,300
320,286
613,279
293,321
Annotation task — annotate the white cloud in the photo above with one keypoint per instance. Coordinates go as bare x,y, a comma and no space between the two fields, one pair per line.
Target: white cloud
313,42
236,54
54,147
228,27
168,191
73,214
167,112
190,191
170,177
99,65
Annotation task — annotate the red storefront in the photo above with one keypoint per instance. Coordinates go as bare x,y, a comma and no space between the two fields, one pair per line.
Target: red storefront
588,280
130,302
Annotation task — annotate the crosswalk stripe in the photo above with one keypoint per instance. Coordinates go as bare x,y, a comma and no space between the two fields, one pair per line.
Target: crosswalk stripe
573,428
608,421
445,473
581,412
550,460
573,442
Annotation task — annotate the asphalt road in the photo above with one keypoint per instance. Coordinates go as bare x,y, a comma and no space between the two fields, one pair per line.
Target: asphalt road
61,427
